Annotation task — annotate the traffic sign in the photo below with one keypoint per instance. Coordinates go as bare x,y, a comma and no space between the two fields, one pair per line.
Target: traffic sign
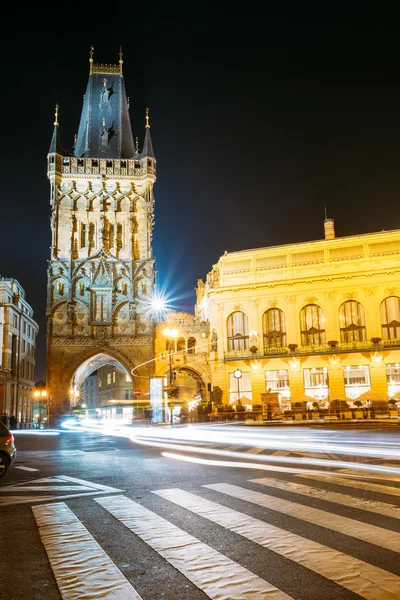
137,392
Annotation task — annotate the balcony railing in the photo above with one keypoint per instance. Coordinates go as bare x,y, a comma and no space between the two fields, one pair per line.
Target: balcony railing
340,348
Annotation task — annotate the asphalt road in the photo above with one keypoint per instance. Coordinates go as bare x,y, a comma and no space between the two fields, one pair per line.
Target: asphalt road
176,513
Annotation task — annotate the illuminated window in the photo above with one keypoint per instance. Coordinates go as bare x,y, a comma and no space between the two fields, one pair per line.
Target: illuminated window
240,388
191,345
278,381
393,378
390,318
356,380
113,376
108,378
127,378
352,322
181,345
238,331
312,325
274,328
316,382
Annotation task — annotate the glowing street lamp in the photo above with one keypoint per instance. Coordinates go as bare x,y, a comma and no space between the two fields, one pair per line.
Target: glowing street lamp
41,397
170,334
238,374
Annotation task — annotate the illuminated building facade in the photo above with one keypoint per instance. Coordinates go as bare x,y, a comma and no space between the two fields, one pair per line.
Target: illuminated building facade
101,268
18,332
317,321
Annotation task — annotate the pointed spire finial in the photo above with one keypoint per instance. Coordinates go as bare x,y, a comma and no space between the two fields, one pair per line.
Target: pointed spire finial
56,116
104,121
136,145
147,118
91,52
120,59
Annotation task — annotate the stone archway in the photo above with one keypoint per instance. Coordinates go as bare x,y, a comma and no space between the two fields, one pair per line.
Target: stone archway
71,373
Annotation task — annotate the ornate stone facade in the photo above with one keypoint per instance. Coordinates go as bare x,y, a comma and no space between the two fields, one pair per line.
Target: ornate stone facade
101,268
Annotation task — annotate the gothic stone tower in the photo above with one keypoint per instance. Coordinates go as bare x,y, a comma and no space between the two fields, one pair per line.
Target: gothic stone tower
101,270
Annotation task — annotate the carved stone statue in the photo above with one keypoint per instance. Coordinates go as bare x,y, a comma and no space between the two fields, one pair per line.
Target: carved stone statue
214,341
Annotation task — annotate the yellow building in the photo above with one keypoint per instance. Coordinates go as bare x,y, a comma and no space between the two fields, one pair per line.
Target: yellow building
317,320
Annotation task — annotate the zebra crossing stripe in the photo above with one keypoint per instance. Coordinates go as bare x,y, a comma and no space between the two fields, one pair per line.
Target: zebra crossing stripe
368,581
81,567
381,508
216,575
358,485
384,538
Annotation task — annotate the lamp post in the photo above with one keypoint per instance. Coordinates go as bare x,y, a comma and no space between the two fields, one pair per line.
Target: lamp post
41,397
170,334
238,374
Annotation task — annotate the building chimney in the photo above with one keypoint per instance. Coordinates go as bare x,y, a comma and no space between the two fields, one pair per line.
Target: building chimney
329,228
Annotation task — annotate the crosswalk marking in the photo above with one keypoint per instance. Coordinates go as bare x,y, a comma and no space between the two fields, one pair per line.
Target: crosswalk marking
380,508
359,485
81,567
383,538
23,468
51,485
216,575
370,582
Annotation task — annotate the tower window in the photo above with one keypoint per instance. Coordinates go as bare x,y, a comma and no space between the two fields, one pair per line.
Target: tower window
83,235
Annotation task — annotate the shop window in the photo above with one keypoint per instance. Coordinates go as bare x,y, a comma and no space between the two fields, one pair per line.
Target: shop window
240,388
356,380
316,383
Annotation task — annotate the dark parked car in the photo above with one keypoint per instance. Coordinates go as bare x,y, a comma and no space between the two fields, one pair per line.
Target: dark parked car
7,449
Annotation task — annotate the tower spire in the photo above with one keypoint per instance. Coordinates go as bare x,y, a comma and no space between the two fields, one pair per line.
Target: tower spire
147,145
120,59
55,144
91,52
105,97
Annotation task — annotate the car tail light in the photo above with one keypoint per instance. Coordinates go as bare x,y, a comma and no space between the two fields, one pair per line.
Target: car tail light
10,438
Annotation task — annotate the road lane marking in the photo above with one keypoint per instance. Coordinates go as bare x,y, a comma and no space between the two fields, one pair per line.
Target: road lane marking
380,508
255,450
216,575
368,581
26,468
384,538
358,485
81,567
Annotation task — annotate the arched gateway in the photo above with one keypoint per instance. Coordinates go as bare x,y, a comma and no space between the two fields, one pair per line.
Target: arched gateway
101,269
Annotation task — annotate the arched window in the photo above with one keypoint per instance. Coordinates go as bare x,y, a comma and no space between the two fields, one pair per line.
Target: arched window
238,331
312,325
274,328
390,318
352,322
181,345
191,345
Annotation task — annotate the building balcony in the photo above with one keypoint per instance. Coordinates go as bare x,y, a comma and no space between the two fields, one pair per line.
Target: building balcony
285,351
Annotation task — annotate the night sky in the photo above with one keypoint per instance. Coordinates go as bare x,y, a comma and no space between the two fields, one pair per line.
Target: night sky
257,123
